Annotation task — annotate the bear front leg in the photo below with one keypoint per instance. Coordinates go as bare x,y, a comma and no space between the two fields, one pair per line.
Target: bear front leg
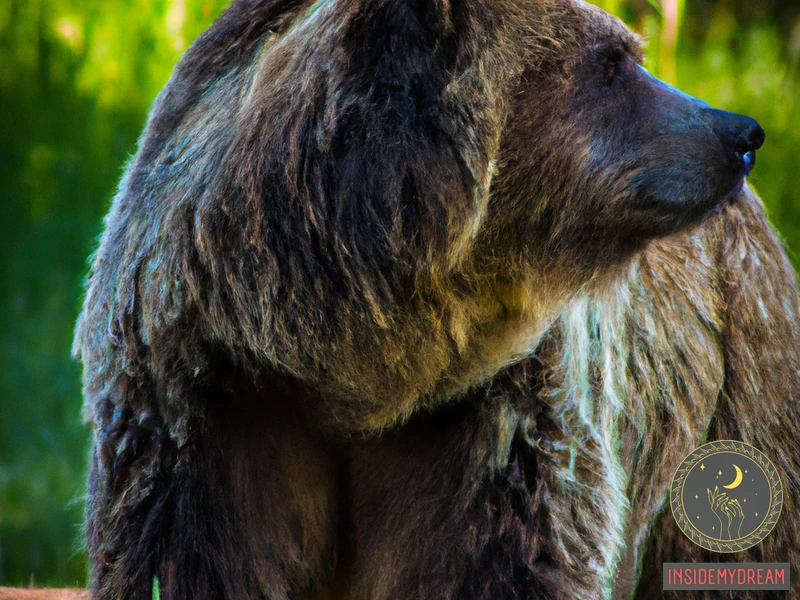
245,508
127,508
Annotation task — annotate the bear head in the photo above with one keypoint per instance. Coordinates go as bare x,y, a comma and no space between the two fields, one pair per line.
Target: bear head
599,157
386,201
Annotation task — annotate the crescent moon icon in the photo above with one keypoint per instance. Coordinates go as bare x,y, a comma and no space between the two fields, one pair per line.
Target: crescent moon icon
736,481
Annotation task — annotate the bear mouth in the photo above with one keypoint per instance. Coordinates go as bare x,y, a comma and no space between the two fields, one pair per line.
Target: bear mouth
746,163
732,197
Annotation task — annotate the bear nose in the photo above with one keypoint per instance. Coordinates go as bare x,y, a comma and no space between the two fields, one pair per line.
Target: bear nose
740,135
753,135
751,138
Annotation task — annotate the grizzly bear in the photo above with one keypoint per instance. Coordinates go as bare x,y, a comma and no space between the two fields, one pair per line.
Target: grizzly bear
474,241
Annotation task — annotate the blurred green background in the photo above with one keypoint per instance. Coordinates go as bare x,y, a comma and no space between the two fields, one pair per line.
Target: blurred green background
76,80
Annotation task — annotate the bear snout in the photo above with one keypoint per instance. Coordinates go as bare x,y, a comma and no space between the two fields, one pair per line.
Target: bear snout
741,137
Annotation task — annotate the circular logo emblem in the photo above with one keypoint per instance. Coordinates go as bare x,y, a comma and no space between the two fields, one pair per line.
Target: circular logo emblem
726,496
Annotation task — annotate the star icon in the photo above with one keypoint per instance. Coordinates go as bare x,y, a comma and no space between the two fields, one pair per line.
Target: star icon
702,467
695,497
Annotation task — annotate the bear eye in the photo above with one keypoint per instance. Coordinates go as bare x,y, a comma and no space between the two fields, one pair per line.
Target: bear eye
614,60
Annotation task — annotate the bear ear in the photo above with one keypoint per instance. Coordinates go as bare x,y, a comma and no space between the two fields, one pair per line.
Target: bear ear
441,24
434,15
394,30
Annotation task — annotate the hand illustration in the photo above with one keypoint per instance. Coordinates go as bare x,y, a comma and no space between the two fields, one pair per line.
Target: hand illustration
729,513
733,510
717,500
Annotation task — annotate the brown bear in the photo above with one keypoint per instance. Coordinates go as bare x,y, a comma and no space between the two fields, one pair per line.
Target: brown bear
345,214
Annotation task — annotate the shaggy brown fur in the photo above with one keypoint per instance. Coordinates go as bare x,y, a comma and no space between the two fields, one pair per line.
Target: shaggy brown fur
344,213
552,481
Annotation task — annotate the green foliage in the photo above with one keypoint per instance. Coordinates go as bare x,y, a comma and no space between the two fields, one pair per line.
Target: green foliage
76,80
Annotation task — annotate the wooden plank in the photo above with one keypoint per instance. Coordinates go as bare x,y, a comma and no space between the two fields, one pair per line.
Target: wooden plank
45,594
